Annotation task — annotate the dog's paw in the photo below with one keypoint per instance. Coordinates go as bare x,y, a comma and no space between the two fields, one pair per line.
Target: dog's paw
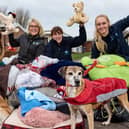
105,123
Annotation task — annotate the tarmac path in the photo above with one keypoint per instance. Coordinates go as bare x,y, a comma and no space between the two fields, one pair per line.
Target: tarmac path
121,125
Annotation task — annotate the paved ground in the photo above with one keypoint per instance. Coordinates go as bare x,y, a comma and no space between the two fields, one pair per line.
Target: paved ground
122,125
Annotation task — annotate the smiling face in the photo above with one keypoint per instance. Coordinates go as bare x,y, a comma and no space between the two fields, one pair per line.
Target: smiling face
102,25
57,34
34,28
57,37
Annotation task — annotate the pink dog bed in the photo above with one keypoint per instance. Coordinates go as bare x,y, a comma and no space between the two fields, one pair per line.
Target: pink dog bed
39,117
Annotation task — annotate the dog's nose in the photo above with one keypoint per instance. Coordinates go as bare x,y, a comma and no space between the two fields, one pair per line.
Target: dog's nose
77,82
75,9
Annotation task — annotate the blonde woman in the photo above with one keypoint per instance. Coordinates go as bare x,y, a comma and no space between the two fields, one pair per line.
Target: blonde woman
31,43
109,39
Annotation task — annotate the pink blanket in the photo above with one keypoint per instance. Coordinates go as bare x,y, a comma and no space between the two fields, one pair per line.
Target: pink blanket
39,117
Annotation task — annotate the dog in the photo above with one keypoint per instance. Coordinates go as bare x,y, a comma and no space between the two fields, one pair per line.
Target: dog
5,110
75,85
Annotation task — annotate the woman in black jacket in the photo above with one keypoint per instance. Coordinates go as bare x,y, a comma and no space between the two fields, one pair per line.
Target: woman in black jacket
61,47
31,43
109,39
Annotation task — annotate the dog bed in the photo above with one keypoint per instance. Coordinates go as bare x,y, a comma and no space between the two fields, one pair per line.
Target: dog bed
108,66
13,122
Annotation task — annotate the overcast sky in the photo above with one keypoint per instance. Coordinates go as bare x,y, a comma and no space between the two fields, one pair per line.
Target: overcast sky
57,12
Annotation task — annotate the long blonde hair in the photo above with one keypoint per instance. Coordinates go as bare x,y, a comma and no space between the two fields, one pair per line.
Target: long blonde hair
100,43
41,31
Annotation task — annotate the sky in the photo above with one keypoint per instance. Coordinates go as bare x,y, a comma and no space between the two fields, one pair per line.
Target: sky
57,12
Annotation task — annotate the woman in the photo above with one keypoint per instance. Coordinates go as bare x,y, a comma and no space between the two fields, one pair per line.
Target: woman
31,43
61,47
109,39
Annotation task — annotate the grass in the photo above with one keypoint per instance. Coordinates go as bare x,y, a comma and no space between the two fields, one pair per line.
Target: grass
78,56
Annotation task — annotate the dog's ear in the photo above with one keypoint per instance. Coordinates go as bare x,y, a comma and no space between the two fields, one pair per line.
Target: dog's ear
62,71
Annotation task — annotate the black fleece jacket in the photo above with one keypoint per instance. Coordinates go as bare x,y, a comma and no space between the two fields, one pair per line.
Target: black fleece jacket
116,43
30,47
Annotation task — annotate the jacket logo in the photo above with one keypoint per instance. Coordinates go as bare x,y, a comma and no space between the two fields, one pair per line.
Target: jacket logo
35,43
66,52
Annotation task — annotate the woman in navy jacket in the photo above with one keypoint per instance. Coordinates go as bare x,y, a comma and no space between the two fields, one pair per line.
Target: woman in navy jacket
61,47
109,39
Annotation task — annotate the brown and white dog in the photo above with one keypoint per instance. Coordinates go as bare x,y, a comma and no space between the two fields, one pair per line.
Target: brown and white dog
75,85
5,110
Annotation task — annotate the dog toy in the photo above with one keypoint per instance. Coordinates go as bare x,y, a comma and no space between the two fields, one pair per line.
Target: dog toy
79,16
8,22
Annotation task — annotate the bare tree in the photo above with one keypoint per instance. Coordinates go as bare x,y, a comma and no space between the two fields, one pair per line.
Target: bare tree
26,18
22,17
3,10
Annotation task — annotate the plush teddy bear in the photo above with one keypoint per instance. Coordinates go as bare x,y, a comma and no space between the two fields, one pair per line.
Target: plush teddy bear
8,22
79,16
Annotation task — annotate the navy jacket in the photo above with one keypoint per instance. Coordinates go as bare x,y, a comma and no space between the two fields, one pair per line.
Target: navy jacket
116,43
30,47
64,50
